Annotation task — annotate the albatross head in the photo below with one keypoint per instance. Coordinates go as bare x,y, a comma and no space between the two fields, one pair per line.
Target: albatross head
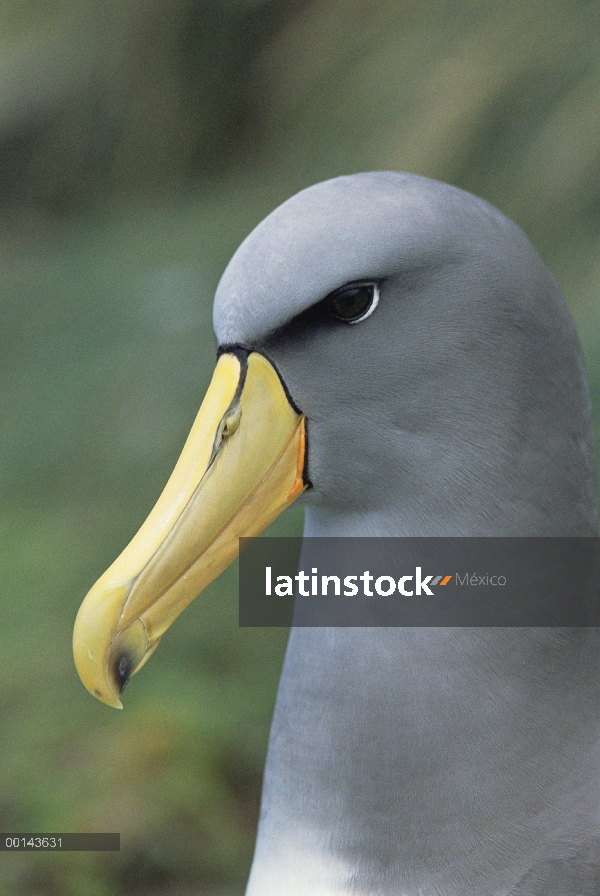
394,351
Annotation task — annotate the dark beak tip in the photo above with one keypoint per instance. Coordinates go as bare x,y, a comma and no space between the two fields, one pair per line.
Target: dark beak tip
123,670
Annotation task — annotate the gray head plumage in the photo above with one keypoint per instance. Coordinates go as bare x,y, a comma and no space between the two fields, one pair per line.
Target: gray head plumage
460,406
425,760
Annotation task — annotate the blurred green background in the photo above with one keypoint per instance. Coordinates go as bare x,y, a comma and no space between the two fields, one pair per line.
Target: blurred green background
140,140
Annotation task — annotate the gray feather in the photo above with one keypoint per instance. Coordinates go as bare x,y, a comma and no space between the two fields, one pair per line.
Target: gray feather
426,761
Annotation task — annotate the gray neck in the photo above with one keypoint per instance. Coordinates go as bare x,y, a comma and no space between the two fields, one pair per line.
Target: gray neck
430,760
455,761
439,760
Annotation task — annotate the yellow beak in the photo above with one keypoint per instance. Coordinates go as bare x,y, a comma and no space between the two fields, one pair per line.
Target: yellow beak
241,466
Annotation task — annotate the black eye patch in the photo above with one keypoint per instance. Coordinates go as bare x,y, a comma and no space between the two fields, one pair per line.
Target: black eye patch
349,304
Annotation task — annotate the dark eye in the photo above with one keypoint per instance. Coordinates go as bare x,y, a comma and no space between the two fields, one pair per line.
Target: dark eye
353,302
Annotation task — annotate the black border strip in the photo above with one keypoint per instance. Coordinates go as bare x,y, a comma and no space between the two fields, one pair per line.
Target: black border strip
241,352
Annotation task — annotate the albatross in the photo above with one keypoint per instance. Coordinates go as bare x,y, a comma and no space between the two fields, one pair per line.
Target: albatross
394,354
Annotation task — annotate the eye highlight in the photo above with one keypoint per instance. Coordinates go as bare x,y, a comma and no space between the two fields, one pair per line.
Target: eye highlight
353,302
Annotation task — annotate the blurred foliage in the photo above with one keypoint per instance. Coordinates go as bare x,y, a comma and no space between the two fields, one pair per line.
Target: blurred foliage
140,140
